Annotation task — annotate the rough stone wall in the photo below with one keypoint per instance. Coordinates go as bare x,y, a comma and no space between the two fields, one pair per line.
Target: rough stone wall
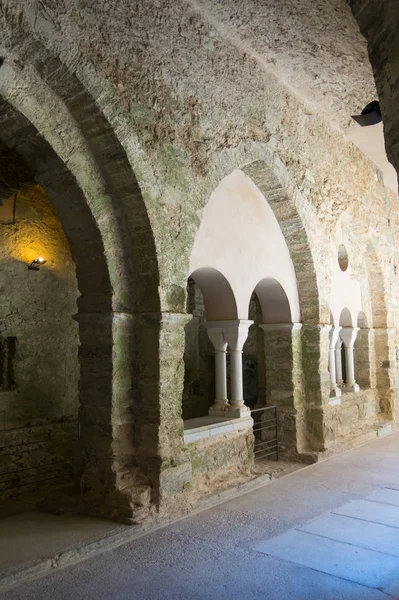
192,91
346,425
39,403
216,460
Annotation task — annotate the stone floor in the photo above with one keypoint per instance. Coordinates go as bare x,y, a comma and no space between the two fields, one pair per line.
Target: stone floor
326,532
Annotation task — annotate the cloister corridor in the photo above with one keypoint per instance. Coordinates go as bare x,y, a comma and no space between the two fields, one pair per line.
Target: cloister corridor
325,532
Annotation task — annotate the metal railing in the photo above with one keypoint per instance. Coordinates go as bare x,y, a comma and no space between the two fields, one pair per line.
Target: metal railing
265,432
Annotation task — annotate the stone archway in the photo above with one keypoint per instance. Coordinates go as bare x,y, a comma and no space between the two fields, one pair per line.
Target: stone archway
275,235
74,155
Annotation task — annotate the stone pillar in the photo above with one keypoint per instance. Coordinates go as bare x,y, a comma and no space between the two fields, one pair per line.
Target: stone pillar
338,362
317,387
348,336
335,392
365,361
284,383
236,333
386,373
215,333
157,405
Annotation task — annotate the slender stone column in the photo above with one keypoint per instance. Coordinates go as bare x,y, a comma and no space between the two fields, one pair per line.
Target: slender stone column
348,336
338,362
335,392
235,333
215,333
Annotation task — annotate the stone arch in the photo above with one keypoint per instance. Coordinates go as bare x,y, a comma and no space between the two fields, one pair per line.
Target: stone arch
295,236
274,302
345,318
210,299
220,302
381,337
69,145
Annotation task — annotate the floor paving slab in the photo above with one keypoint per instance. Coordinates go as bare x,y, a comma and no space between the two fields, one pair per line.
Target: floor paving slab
367,567
372,536
371,511
386,495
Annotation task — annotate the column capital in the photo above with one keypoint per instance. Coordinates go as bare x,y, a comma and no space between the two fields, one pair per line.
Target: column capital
215,334
348,335
235,332
281,326
334,336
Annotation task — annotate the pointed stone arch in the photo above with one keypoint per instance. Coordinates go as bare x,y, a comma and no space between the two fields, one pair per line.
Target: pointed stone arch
295,236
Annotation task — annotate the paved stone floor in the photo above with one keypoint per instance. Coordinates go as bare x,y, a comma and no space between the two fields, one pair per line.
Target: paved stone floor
327,532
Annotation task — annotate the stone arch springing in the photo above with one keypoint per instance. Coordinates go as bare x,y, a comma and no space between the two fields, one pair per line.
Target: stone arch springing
101,209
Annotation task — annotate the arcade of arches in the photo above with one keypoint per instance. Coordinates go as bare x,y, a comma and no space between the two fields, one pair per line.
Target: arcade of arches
192,227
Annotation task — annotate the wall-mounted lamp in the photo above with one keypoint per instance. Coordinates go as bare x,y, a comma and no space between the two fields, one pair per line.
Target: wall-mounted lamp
36,264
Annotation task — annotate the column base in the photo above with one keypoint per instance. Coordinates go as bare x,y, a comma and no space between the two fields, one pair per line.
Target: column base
335,397
353,387
227,410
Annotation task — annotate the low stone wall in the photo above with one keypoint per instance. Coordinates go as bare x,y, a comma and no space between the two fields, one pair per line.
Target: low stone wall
219,459
345,423
34,457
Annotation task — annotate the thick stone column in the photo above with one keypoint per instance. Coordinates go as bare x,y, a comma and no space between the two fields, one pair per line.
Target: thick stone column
110,481
386,374
335,392
348,336
215,333
284,382
235,333
317,386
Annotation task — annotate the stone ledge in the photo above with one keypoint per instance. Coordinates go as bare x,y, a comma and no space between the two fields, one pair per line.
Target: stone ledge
206,427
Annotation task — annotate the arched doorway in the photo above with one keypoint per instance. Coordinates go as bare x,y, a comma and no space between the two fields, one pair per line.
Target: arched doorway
97,199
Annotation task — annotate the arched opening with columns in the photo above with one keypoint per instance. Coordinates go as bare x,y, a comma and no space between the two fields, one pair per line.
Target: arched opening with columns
73,155
241,261
279,346
209,299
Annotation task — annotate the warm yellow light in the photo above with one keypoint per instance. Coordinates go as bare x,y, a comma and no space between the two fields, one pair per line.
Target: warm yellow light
40,259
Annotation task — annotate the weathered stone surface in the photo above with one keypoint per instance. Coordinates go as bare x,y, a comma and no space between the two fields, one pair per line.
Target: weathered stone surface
130,116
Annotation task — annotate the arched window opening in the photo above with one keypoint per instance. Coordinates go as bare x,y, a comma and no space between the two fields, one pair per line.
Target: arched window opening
211,302
348,334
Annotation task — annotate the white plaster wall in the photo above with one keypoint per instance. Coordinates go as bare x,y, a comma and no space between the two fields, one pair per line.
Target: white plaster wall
345,293
240,237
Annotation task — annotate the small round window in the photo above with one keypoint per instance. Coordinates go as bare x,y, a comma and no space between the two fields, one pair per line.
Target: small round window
343,259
